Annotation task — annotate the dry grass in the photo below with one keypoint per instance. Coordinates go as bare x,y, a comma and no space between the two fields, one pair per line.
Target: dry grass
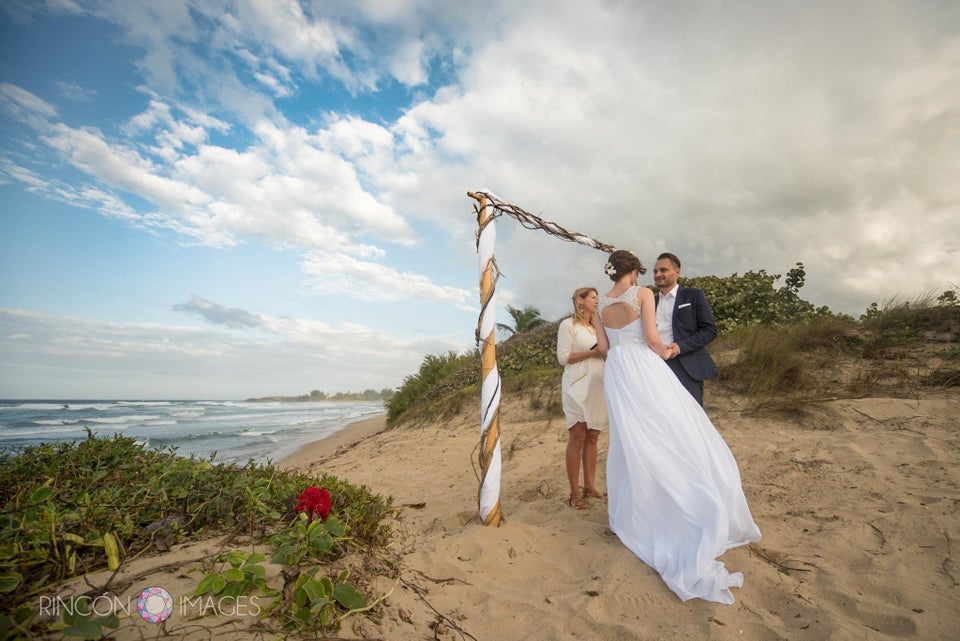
898,348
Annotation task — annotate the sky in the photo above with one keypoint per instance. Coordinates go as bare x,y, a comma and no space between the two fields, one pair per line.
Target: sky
228,199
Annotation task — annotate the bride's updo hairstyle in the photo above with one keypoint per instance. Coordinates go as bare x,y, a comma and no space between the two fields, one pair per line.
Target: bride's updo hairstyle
622,262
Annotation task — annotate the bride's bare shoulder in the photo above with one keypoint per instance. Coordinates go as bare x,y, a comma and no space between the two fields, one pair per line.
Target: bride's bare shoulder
644,295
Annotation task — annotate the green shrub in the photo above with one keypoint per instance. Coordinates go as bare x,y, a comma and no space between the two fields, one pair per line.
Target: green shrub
445,382
67,508
752,299
416,387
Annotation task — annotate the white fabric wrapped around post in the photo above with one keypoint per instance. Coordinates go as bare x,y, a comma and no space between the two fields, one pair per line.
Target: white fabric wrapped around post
490,462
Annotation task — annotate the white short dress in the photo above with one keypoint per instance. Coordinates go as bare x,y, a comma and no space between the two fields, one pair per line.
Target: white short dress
582,382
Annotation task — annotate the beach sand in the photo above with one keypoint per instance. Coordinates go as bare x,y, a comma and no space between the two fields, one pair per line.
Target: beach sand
858,501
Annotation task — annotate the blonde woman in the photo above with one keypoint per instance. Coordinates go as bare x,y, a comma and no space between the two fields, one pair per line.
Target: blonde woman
584,405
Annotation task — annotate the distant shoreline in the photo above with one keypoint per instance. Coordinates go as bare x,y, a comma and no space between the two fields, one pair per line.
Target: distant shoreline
310,399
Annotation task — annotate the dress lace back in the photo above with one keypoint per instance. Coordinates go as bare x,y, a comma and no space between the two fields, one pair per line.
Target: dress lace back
629,297
632,331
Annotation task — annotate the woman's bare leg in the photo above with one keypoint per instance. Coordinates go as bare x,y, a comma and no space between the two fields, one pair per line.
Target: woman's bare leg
590,464
576,436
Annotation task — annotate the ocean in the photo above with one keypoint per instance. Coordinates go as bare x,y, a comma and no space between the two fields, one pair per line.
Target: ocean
236,430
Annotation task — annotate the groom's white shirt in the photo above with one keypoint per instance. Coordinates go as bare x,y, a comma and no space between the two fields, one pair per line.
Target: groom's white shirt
665,314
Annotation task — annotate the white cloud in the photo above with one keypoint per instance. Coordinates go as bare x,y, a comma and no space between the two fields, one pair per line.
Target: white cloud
407,65
817,132
288,190
75,92
740,142
25,105
48,356
341,274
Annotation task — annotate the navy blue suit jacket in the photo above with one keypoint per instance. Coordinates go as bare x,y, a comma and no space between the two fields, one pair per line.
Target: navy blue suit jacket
694,327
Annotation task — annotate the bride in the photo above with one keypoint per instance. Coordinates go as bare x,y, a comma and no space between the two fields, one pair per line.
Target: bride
674,493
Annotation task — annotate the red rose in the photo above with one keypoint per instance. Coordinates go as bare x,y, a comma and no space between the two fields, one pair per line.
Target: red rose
315,500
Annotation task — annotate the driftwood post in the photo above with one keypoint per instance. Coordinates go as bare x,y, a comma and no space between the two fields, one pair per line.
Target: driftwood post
489,208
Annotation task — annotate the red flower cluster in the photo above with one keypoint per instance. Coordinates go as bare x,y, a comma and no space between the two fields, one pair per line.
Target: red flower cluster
315,500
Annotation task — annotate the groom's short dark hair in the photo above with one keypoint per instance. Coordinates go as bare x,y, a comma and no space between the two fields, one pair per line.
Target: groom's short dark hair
671,257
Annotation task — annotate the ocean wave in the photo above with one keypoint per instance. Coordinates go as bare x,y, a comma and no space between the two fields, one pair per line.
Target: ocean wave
236,430
19,433
134,418
257,432
32,406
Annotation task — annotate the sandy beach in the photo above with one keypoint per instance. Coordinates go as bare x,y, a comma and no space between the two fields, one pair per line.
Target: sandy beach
858,501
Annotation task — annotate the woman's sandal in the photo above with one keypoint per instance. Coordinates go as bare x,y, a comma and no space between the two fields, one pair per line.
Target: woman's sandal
578,503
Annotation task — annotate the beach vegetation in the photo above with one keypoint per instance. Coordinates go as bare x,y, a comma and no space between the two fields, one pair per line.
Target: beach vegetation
773,347
901,346
73,508
240,573
753,298
524,320
445,383
416,388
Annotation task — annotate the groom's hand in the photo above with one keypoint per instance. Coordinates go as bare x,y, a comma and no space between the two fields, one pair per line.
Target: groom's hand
674,350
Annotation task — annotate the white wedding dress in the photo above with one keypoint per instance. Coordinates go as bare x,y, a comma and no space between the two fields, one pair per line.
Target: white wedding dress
673,486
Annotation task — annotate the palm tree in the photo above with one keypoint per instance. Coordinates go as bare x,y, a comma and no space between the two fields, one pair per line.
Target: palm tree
523,320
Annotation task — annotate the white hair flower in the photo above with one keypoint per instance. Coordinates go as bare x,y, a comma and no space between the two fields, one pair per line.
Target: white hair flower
610,269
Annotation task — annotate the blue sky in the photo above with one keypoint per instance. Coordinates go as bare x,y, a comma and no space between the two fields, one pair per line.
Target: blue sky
233,199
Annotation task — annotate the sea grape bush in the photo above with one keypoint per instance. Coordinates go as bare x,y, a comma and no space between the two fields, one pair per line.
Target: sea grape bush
71,508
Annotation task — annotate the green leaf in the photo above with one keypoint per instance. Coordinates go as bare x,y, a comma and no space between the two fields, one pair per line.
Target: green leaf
300,597
335,527
321,540
78,612
41,495
211,583
347,596
9,581
85,630
303,614
320,590
234,575
112,622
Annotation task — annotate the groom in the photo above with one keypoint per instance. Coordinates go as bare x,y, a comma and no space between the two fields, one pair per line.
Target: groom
685,324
